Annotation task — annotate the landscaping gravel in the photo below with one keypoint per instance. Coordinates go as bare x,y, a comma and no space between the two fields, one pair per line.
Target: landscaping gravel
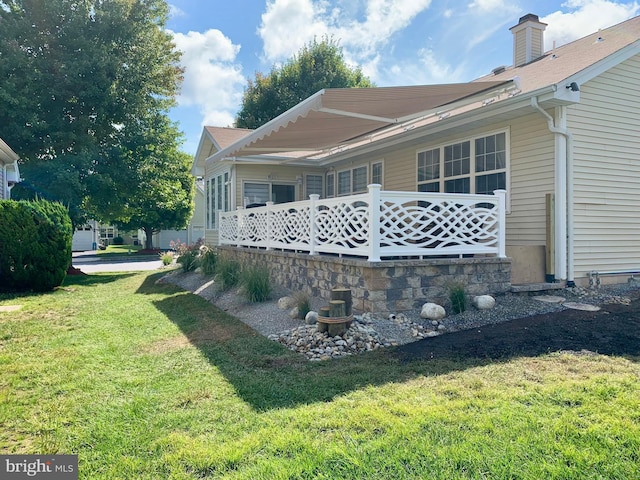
370,331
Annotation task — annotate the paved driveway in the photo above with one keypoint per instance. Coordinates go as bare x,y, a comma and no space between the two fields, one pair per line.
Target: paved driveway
89,262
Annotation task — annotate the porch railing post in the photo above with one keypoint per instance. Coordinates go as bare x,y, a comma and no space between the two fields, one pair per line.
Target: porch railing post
269,234
374,222
313,198
502,222
240,222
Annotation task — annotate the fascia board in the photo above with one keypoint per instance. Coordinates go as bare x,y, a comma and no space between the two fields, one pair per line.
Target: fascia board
605,64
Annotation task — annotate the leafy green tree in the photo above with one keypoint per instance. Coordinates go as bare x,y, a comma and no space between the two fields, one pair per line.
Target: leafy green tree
153,195
317,65
77,77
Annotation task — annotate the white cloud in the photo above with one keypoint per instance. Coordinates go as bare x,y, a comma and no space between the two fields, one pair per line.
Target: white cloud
425,69
362,28
287,25
213,79
491,5
175,11
585,17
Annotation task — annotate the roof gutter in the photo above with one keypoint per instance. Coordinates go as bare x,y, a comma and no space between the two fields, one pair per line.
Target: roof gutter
564,235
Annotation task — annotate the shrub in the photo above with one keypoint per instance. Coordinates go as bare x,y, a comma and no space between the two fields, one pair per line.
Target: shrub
118,240
187,254
167,258
458,298
227,273
208,260
36,244
256,283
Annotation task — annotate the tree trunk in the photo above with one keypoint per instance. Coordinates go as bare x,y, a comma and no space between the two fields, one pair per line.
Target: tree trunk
148,241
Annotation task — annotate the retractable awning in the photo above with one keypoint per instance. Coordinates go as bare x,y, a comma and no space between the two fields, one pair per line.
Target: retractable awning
333,117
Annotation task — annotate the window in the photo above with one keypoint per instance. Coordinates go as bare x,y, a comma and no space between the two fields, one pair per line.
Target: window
217,198
331,185
313,185
260,193
376,173
476,166
344,182
356,179
359,179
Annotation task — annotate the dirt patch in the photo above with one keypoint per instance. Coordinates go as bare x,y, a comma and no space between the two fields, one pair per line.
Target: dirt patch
614,330
209,333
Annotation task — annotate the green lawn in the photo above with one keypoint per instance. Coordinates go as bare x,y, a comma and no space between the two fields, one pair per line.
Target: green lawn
145,381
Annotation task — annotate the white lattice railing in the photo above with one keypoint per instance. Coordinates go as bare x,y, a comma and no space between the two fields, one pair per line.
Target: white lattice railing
378,224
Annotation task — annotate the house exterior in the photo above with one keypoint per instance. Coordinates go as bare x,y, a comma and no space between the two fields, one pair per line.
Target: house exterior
558,131
9,172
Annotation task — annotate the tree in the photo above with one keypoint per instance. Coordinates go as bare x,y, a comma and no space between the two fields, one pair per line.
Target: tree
153,195
77,77
317,65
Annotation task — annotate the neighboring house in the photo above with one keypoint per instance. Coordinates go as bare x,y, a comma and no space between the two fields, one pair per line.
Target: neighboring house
558,130
9,172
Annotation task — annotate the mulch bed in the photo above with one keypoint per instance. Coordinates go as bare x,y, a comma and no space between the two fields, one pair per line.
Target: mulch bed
614,330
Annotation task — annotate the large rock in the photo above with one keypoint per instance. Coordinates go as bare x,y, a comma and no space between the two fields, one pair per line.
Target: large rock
285,302
433,311
311,318
484,302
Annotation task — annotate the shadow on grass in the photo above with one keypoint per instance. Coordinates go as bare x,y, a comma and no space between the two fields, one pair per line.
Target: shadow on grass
69,281
267,375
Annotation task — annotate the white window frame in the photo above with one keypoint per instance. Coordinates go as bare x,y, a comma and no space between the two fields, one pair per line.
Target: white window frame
330,185
217,197
306,184
473,174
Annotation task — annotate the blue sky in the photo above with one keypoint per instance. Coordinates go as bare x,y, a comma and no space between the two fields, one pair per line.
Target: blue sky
396,42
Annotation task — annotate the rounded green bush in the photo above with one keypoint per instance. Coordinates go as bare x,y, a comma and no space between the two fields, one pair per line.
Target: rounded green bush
36,240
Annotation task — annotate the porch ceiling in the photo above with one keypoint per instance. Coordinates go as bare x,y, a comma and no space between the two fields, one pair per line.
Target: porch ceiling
333,117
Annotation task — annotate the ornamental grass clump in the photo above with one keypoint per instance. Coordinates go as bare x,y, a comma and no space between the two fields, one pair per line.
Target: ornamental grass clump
208,260
458,298
303,302
256,283
166,258
227,273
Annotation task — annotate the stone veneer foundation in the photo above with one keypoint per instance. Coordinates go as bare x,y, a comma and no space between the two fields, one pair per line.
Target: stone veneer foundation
390,286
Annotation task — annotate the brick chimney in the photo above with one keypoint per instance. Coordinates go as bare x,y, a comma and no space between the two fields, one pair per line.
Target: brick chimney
528,39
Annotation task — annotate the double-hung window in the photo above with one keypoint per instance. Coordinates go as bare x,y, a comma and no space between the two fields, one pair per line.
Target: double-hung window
477,165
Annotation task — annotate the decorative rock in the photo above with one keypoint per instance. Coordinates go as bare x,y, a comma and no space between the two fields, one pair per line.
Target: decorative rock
550,298
582,306
285,302
432,311
294,313
311,318
484,302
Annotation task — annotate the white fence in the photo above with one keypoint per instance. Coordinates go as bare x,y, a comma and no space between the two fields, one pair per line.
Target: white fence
377,224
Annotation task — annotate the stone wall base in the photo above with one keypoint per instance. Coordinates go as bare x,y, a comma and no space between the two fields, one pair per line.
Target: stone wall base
390,286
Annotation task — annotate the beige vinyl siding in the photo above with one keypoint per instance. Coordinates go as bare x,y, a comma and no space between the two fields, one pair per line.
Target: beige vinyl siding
520,43
606,127
532,177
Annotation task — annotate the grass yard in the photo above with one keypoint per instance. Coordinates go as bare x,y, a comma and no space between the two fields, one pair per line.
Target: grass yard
145,381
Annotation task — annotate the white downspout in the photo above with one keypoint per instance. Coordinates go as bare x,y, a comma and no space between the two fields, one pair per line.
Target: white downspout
564,187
